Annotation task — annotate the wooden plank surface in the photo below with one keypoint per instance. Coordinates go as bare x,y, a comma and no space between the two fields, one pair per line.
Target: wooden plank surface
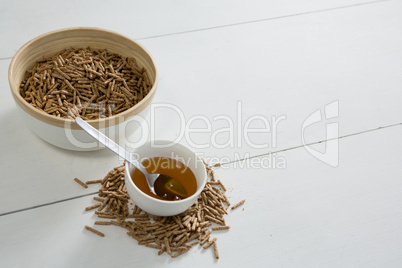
289,67
282,58
23,20
305,215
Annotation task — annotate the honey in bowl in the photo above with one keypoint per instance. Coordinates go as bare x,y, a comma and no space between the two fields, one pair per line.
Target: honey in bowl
170,167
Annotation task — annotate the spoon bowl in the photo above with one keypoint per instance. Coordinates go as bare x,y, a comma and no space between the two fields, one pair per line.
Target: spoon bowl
169,188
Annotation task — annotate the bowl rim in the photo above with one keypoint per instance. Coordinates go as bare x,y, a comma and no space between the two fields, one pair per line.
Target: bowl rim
178,202
67,122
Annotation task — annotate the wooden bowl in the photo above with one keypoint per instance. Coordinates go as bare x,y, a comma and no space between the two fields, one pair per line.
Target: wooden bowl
64,132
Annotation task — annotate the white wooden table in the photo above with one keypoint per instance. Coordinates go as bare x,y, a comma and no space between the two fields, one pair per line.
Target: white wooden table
335,202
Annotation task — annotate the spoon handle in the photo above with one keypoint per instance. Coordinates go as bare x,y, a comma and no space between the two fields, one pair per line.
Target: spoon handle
110,144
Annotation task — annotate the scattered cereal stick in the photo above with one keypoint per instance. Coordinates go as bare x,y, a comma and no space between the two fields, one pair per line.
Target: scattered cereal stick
207,245
153,246
93,182
182,248
163,249
80,183
99,199
212,175
216,250
238,204
106,216
226,227
221,184
193,244
227,201
102,223
205,238
214,220
205,164
93,207
94,231
204,241
179,253
167,246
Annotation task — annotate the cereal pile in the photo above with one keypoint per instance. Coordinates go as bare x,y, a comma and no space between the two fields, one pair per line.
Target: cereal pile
174,235
86,82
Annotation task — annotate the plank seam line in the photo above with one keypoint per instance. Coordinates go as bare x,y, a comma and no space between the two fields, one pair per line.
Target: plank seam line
253,21
227,163
308,144
263,20
47,204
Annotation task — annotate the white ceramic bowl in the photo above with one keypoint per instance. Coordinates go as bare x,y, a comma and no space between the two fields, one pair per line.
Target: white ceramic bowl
62,132
176,151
